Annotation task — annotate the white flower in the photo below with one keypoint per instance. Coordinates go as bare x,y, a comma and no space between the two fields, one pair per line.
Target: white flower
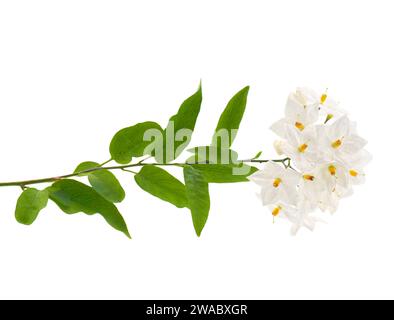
299,216
278,146
308,96
329,199
329,108
299,113
312,185
327,160
278,184
302,147
339,141
326,104
283,210
336,178
356,167
333,174
303,219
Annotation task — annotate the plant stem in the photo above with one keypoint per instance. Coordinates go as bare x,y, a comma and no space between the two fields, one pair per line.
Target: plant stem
131,171
25,183
105,162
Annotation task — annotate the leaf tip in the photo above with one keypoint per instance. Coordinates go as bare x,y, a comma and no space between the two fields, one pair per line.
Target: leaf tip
23,221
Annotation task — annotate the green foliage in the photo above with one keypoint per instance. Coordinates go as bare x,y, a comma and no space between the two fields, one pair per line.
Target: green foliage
129,142
258,155
103,181
212,154
215,163
163,185
232,116
73,197
219,151
29,205
185,120
197,192
225,173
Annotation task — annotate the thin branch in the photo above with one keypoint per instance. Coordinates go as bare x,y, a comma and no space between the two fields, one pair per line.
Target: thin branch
25,183
105,162
131,171
265,161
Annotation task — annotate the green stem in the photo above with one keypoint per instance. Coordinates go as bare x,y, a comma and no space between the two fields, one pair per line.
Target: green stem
130,171
105,162
25,183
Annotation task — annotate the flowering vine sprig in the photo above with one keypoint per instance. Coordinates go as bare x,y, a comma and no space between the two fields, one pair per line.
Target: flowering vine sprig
320,163
328,159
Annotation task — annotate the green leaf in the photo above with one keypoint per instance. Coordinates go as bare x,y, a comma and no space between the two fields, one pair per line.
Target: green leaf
129,142
225,173
257,155
186,118
29,205
73,197
103,181
231,117
212,154
197,192
163,185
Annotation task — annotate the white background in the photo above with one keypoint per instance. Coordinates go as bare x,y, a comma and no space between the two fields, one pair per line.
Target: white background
74,72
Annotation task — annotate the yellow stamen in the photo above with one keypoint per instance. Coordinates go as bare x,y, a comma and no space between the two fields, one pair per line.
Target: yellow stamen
308,177
299,126
328,118
302,148
353,173
323,98
336,144
277,182
332,170
276,211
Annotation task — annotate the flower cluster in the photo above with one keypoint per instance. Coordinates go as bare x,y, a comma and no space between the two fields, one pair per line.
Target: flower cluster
327,159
